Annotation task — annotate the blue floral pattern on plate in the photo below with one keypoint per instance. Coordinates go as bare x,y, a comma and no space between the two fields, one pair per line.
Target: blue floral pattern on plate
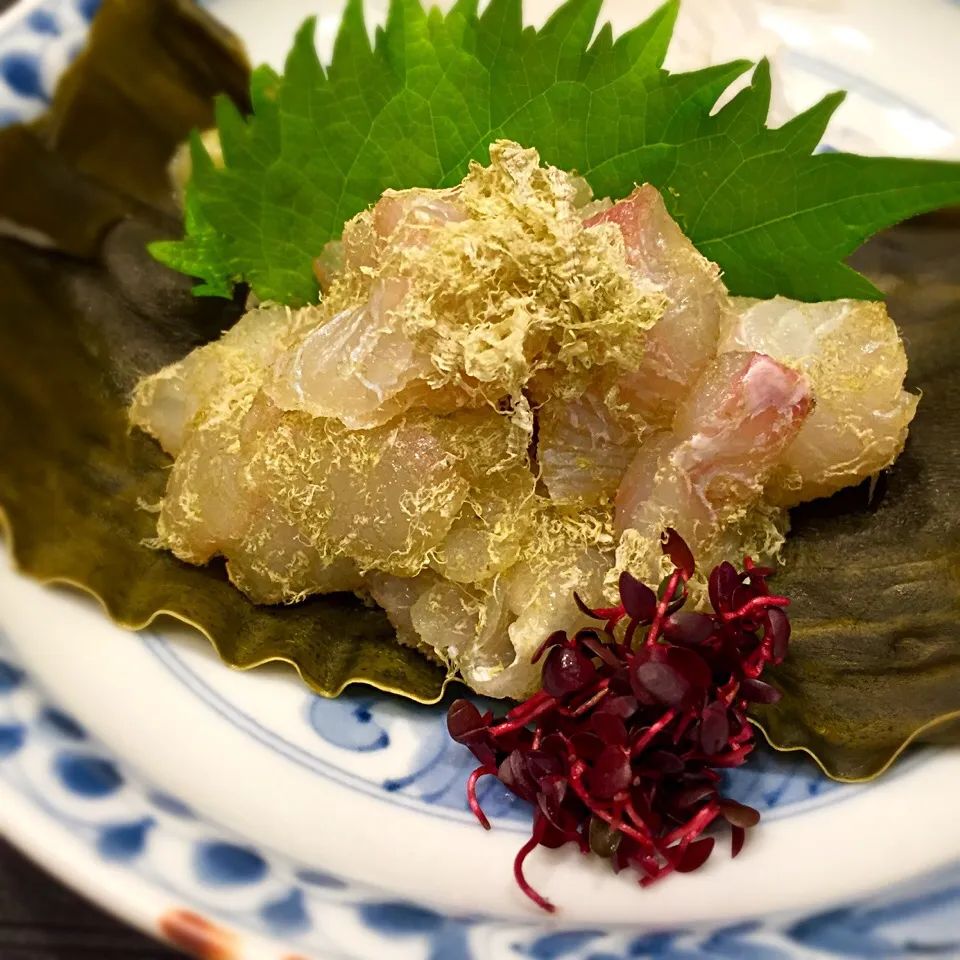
35,50
357,725
272,906
48,760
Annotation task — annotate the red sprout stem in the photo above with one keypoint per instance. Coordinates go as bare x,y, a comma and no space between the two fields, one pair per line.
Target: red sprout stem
576,781
472,793
685,722
728,693
596,695
610,613
522,709
733,759
756,603
631,812
659,875
758,583
601,650
695,826
522,719
654,633
522,855
653,730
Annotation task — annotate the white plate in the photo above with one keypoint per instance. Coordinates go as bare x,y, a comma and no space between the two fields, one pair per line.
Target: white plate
289,826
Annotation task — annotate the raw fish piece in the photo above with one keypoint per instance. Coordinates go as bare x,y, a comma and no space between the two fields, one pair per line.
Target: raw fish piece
441,299
449,621
852,355
275,563
463,625
709,471
583,449
352,365
491,630
486,538
411,218
167,404
492,457
684,340
397,595
206,509
385,497
564,555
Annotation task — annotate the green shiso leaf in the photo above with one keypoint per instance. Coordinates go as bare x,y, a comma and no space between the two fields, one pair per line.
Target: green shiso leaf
201,252
435,90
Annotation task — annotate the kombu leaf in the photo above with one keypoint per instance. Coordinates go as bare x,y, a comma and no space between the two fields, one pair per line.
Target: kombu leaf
75,481
86,312
435,90
875,659
874,573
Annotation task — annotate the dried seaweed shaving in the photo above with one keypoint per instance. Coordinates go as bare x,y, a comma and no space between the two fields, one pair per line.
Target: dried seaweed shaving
519,285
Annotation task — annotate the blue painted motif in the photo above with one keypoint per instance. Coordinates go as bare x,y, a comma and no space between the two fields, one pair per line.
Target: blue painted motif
863,933
400,918
12,738
59,723
21,72
555,946
125,841
87,775
87,8
229,865
723,945
173,806
446,938
288,915
317,878
43,21
10,677
351,729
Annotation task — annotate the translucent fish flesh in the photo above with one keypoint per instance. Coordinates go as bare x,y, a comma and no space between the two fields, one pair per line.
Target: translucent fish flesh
683,342
853,357
583,449
506,393
713,466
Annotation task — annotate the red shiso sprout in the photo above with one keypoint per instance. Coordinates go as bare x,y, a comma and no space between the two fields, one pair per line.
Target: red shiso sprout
619,751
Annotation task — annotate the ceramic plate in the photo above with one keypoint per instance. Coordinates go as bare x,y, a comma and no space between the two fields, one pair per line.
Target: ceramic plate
243,818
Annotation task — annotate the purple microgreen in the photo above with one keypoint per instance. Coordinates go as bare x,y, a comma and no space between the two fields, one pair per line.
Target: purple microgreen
757,691
696,855
776,631
611,773
566,671
620,751
739,814
714,728
687,629
722,584
638,599
675,547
